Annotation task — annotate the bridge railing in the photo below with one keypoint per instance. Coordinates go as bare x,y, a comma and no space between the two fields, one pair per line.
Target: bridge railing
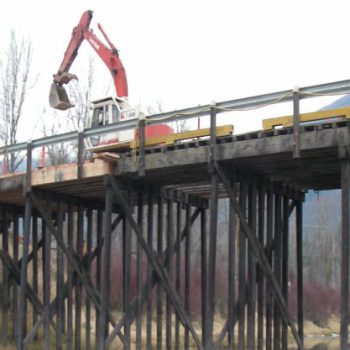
242,104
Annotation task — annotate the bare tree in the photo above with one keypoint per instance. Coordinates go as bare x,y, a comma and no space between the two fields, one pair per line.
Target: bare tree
80,95
181,126
157,108
14,87
178,125
57,153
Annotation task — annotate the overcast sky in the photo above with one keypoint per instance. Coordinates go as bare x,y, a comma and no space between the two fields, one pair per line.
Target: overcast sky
188,52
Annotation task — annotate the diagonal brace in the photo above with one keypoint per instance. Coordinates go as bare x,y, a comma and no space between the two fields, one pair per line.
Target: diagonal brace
131,314
268,250
158,268
258,251
87,258
31,296
73,259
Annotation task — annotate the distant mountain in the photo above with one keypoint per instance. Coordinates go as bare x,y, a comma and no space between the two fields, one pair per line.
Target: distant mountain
343,101
329,201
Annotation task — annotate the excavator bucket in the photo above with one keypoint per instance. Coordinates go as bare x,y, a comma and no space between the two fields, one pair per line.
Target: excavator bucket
58,97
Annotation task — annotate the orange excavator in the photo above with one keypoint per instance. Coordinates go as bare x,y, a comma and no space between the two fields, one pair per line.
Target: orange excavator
107,110
110,56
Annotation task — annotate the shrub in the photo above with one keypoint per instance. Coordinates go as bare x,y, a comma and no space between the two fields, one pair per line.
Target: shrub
320,302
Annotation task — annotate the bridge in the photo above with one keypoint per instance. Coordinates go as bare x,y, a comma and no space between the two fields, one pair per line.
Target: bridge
59,226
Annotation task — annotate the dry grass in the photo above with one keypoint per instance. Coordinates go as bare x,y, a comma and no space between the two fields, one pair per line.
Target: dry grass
315,337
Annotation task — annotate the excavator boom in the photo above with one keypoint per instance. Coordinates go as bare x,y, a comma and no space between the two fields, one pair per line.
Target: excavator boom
58,96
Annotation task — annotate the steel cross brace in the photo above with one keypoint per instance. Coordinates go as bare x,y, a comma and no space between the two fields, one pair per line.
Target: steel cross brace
139,300
157,266
258,251
74,260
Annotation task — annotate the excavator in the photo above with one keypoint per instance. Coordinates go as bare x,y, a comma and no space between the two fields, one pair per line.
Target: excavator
107,110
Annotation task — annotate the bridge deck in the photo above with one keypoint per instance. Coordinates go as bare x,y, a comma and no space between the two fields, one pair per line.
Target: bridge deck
183,165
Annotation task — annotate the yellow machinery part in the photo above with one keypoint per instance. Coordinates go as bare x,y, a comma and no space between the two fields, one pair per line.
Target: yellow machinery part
287,121
224,130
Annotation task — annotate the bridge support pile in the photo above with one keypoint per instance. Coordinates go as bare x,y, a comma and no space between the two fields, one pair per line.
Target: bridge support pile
56,288
167,215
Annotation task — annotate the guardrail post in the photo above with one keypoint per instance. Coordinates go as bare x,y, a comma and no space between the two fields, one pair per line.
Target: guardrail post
80,153
142,138
212,150
296,123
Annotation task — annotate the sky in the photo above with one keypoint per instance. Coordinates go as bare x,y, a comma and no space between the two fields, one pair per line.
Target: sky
188,53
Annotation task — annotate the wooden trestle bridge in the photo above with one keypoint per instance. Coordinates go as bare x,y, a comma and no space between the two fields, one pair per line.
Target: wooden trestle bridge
61,298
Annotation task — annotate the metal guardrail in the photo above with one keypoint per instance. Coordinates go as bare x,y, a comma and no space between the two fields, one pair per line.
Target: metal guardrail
340,87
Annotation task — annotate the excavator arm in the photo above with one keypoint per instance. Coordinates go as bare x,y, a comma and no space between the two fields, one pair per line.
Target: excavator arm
58,96
110,57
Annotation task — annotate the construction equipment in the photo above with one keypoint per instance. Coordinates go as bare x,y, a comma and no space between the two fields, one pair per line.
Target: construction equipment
107,110
110,56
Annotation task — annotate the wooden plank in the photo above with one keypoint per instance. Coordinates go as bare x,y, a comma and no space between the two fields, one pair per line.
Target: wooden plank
287,121
68,172
109,156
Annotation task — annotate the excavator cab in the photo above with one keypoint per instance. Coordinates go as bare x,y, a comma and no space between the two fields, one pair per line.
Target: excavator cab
107,111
